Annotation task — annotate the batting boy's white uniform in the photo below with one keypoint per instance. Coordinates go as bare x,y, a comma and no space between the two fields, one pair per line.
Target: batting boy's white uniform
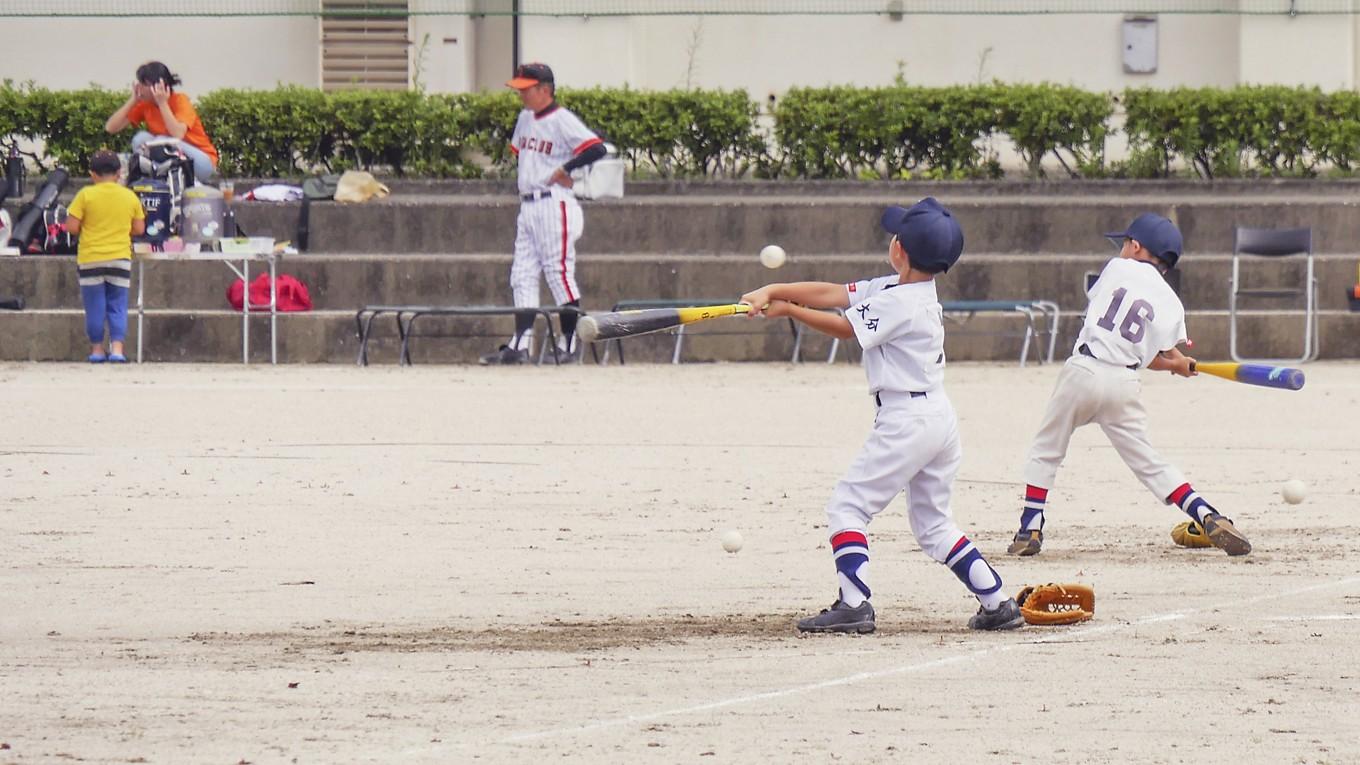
915,441
1133,315
550,219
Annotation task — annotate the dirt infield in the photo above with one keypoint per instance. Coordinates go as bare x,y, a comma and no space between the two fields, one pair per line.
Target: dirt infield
333,564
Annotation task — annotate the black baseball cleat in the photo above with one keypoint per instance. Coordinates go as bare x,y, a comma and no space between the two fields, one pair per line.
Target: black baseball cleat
841,618
1224,535
1005,617
505,355
1026,543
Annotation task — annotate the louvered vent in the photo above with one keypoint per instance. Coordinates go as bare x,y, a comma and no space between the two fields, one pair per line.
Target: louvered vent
367,46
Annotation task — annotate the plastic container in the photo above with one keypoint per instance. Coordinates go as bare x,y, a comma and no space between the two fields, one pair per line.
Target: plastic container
243,245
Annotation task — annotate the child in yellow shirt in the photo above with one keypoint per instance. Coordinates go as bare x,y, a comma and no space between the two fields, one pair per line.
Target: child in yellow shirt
106,215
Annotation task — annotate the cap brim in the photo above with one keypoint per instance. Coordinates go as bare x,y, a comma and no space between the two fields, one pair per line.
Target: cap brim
520,83
893,218
1118,235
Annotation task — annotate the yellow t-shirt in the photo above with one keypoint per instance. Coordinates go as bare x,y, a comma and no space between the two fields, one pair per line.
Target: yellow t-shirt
106,211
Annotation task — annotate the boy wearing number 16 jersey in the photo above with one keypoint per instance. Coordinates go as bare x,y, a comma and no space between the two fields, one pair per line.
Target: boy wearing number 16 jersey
1134,320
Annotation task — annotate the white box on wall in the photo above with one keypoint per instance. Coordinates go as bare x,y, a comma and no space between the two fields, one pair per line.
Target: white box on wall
1140,44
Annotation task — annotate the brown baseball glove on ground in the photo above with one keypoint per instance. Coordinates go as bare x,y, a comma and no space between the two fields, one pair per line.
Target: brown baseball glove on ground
1057,603
1189,534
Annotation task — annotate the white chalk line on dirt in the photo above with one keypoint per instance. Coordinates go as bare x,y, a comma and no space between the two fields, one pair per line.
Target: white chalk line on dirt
1314,618
1061,636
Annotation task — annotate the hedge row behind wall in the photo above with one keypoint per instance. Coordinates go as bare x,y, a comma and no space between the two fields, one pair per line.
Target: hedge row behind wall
900,131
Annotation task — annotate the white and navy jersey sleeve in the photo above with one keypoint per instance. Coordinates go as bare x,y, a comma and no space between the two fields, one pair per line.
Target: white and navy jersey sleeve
900,327
880,318
1133,315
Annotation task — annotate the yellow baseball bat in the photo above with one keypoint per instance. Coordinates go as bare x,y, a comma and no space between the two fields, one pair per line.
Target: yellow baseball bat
617,324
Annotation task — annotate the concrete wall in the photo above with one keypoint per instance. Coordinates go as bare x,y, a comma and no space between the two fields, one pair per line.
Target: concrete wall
207,53
770,54
762,54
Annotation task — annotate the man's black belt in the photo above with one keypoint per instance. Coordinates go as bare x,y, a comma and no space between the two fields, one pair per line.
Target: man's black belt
534,196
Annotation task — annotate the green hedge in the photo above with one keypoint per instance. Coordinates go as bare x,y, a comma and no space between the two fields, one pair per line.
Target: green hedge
899,131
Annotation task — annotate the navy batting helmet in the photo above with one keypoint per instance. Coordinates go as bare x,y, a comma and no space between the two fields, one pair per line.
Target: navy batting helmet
928,232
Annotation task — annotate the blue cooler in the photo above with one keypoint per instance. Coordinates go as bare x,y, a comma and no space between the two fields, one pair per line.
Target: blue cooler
156,201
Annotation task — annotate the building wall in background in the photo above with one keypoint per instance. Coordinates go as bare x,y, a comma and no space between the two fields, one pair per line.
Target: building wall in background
207,53
762,54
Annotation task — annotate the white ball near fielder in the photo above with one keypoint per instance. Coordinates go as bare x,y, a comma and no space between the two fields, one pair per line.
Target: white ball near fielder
731,540
772,256
1293,491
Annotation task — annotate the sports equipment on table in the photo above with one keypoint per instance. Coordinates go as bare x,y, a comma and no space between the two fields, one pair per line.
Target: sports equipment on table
611,326
1057,603
841,618
1006,616
1285,378
1189,534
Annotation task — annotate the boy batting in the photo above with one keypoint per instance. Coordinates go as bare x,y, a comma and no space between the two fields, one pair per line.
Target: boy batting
1134,320
914,445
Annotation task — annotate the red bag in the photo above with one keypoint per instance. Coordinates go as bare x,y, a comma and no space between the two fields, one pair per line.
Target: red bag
291,294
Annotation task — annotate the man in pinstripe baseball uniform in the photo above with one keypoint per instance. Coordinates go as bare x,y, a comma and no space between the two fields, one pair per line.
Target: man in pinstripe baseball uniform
549,142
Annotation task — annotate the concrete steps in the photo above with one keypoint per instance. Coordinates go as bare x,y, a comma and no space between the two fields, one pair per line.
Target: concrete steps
349,281
718,225
330,337
450,243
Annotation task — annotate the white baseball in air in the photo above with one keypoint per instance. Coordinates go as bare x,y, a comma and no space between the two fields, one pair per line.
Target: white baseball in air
731,540
772,256
1293,491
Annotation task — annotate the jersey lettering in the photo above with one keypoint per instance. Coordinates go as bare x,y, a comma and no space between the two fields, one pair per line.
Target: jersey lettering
1135,322
535,144
870,322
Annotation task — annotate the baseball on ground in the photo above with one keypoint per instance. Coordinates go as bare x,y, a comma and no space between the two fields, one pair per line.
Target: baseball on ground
1293,491
731,540
772,256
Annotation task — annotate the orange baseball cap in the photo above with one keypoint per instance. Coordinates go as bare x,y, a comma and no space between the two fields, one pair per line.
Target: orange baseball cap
529,75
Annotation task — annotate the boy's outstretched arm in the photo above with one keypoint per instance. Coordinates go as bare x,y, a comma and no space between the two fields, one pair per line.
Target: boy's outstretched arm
832,324
1175,362
810,294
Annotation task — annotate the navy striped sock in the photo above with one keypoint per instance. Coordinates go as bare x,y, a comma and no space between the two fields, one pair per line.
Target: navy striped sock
851,549
1032,516
975,573
1191,503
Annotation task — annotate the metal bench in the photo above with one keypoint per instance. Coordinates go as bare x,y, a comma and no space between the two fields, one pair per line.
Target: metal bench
1025,308
408,315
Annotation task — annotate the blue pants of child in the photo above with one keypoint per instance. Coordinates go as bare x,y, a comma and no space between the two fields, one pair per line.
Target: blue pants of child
105,302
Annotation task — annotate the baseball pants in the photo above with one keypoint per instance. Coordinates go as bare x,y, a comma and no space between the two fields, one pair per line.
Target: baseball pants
545,248
1091,391
914,445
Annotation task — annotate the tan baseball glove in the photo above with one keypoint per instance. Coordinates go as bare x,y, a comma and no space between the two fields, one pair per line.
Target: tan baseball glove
1057,603
1189,534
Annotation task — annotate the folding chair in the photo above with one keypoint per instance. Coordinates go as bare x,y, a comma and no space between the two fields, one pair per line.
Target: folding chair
1275,243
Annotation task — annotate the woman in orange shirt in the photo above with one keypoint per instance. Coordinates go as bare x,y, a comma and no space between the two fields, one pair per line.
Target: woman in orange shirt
165,113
